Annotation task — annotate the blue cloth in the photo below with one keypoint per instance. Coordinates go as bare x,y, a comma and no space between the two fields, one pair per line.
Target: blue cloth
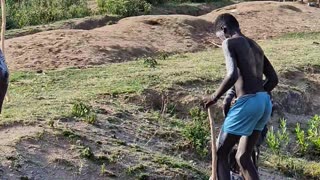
250,112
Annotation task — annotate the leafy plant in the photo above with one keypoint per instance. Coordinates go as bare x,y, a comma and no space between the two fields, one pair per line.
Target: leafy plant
150,62
278,141
198,131
301,141
282,134
86,153
314,133
103,169
273,141
81,110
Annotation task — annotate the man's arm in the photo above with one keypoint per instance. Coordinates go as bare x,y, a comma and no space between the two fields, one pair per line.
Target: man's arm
232,71
231,93
271,76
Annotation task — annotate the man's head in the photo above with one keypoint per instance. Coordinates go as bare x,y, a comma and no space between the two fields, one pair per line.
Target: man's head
225,25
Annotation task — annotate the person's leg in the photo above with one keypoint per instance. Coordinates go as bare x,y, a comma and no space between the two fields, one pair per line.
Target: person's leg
226,143
245,149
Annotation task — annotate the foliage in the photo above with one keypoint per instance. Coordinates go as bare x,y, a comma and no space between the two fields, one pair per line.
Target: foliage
273,141
197,131
314,133
103,169
86,153
301,141
309,142
124,8
150,62
34,12
80,110
278,141
134,169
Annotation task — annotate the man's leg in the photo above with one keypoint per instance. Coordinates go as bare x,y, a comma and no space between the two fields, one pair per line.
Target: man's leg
226,143
245,149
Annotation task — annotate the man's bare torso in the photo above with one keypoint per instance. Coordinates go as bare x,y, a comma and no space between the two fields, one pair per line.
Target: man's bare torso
250,60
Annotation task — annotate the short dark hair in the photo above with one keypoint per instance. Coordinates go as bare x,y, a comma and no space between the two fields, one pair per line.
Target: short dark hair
227,20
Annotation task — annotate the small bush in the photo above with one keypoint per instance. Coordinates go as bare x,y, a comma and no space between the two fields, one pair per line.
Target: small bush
301,141
278,141
34,12
198,131
150,62
309,143
124,7
314,134
86,153
80,110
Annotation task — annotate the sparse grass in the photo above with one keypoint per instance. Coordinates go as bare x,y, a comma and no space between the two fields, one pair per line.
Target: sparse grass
198,131
177,163
295,167
135,169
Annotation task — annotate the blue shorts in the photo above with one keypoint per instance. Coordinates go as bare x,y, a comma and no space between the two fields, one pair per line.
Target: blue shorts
250,112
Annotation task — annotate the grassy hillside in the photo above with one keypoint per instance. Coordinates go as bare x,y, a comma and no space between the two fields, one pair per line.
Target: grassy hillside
130,124
51,93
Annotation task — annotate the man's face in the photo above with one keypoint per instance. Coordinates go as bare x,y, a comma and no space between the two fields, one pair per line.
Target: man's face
221,35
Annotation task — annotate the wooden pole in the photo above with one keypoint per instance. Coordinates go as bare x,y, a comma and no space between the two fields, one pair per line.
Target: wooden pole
213,145
3,27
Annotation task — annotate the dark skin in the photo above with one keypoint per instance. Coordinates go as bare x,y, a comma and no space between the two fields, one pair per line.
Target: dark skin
246,64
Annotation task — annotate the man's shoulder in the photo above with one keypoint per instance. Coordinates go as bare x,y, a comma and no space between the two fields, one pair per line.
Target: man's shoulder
234,42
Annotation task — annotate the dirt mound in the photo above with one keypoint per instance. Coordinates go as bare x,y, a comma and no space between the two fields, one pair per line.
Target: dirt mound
262,20
130,38
148,35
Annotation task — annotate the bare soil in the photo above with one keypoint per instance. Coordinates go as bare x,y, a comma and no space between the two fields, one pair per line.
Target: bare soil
149,35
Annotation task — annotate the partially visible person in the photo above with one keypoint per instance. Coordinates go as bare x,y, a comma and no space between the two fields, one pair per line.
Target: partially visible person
4,79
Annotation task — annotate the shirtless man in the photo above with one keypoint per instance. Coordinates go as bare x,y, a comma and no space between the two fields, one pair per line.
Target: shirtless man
246,64
4,79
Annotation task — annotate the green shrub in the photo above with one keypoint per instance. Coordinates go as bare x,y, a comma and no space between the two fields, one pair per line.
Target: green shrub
124,7
278,141
301,141
86,152
309,142
150,62
273,141
34,12
198,131
80,110
314,134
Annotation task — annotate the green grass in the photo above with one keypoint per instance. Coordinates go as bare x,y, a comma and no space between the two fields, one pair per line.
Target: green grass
51,94
294,167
